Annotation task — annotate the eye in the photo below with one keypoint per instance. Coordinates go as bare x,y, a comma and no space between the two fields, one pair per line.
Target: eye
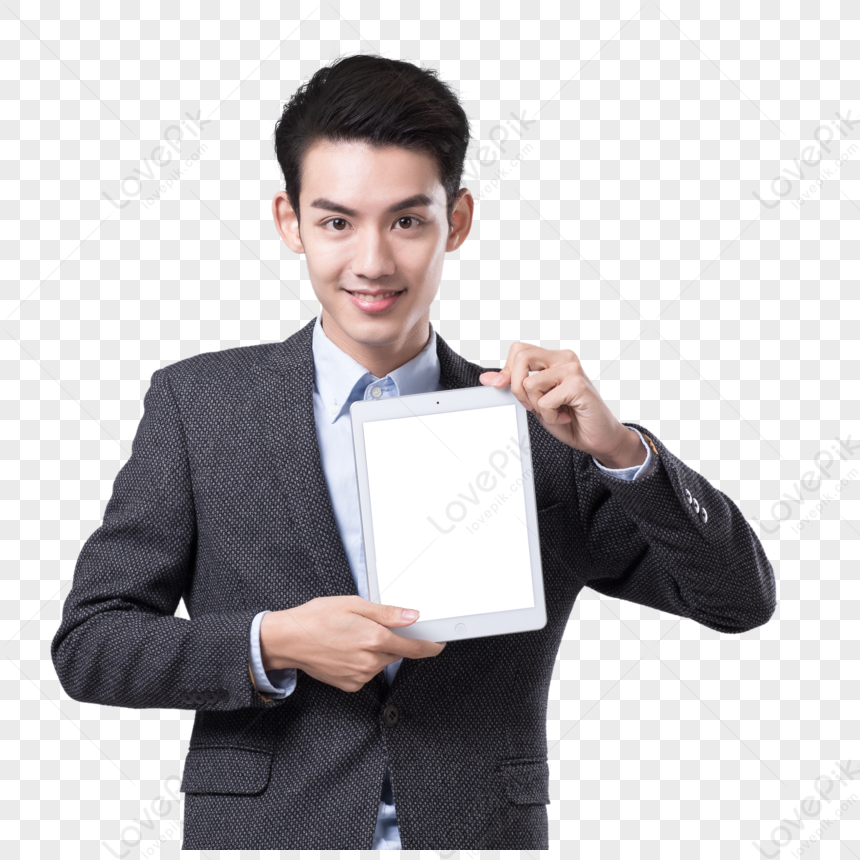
410,218
338,220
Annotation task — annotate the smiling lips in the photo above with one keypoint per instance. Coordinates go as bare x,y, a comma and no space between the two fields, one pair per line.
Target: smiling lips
374,302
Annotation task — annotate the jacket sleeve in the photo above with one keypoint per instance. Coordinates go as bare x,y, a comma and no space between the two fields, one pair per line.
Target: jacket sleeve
672,541
119,642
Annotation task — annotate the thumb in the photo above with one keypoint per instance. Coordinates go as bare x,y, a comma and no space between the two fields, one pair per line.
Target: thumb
390,616
489,377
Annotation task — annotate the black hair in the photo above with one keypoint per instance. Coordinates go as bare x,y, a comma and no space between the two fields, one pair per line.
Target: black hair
382,102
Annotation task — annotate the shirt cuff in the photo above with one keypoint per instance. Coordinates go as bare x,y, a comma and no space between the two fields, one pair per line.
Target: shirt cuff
279,683
631,472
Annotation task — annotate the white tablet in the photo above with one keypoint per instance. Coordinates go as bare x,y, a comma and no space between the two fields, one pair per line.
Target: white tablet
448,511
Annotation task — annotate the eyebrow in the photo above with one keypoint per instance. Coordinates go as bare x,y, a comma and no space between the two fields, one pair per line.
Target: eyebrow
408,203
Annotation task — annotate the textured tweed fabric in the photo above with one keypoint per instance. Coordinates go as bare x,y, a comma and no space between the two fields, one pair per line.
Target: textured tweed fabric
224,503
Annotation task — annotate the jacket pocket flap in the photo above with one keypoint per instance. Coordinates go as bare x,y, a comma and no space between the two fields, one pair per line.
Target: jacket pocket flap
226,770
526,781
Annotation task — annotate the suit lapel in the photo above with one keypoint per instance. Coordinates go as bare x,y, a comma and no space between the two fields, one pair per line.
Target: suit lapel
285,388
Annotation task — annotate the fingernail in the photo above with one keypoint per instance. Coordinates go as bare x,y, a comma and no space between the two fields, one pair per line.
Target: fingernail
526,405
410,614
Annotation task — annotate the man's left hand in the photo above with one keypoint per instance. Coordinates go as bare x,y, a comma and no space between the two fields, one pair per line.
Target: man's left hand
567,404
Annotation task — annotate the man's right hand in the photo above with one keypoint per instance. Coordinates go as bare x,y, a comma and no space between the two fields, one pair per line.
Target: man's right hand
343,641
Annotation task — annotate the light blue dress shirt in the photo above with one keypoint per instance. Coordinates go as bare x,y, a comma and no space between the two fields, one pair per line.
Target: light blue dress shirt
339,380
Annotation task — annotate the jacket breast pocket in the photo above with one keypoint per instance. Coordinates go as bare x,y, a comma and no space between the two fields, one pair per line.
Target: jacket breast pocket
526,780
226,770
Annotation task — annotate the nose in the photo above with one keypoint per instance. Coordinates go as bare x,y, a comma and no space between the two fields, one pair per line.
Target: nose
374,255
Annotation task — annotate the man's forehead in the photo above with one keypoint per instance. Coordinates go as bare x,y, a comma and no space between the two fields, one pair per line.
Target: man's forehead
348,163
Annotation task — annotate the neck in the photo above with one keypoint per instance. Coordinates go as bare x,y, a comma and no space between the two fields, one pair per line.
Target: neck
379,359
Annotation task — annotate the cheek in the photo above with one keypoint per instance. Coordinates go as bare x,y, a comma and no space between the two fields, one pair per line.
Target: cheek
325,260
428,258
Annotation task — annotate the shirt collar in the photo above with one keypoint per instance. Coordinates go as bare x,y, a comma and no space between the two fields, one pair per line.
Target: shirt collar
340,379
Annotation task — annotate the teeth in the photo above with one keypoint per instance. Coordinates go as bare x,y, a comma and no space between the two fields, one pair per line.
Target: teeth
368,298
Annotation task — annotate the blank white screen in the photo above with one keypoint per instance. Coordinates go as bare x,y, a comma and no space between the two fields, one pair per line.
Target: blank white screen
448,508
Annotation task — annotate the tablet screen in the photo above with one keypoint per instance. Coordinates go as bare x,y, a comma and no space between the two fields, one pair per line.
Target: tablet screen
448,511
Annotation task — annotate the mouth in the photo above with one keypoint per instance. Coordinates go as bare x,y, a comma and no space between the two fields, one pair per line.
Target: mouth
375,303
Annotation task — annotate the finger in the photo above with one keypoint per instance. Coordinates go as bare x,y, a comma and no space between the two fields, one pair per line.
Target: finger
502,378
414,649
387,615
538,384
489,377
529,358
555,396
386,659
505,375
576,392
566,392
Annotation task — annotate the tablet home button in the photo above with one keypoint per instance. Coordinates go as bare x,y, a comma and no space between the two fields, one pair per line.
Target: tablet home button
460,628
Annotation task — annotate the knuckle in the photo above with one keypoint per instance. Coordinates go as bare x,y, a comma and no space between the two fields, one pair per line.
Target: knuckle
376,638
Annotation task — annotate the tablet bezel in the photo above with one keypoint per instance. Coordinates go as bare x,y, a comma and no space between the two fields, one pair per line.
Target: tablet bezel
433,403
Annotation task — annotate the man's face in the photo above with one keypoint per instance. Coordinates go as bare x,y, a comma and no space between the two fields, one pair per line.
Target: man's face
373,223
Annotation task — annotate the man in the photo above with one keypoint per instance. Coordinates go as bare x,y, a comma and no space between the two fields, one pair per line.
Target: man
318,727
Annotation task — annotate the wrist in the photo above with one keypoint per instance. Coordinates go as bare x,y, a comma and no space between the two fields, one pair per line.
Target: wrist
628,452
276,646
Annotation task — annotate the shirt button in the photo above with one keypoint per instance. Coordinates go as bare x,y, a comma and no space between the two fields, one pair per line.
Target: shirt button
333,410
376,391
391,715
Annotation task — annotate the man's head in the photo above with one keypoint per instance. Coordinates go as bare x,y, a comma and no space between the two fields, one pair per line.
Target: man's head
372,152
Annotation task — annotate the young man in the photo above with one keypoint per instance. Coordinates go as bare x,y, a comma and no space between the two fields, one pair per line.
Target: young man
317,727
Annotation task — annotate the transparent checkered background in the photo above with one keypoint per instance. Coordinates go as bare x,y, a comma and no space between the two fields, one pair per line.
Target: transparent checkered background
649,213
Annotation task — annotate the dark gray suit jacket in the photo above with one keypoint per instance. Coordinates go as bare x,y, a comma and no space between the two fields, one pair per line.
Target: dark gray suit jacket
223,502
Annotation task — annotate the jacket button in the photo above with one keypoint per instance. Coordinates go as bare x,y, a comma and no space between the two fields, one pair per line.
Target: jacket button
704,515
391,715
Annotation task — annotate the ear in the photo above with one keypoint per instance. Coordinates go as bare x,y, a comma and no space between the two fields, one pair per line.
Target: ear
286,222
461,220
